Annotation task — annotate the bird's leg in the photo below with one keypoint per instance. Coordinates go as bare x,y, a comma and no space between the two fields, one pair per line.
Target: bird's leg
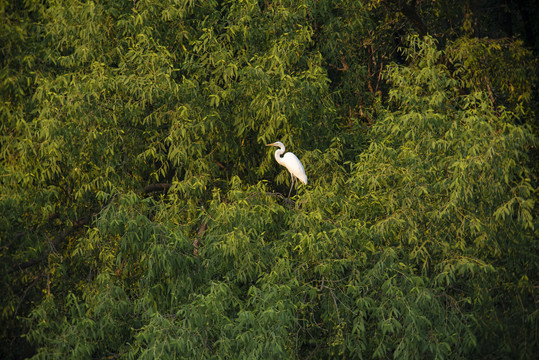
291,185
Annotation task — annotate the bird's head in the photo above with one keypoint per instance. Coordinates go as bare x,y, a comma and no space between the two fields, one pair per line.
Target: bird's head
277,143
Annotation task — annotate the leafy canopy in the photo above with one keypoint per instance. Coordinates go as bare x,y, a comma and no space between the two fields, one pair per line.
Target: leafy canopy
141,213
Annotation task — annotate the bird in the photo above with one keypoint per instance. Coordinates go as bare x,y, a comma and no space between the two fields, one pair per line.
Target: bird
291,163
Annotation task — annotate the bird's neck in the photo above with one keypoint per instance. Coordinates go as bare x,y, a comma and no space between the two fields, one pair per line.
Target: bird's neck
278,155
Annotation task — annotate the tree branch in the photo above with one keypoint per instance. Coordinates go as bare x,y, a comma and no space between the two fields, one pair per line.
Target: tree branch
156,187
410,11
57,240
411,14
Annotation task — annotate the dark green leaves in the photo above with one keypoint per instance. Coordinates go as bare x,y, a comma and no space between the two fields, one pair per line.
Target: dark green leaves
142,215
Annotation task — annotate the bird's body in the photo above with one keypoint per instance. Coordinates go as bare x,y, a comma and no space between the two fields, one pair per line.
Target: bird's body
291,163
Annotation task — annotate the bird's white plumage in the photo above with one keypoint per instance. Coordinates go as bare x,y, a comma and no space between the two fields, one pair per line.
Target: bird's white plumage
291,163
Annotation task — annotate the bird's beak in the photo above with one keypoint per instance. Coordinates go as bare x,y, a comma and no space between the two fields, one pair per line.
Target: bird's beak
273,144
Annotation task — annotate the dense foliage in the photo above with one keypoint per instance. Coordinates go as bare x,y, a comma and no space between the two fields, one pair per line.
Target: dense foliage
141,215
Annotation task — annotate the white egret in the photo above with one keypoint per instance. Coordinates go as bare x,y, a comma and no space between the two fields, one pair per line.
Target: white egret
291,163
